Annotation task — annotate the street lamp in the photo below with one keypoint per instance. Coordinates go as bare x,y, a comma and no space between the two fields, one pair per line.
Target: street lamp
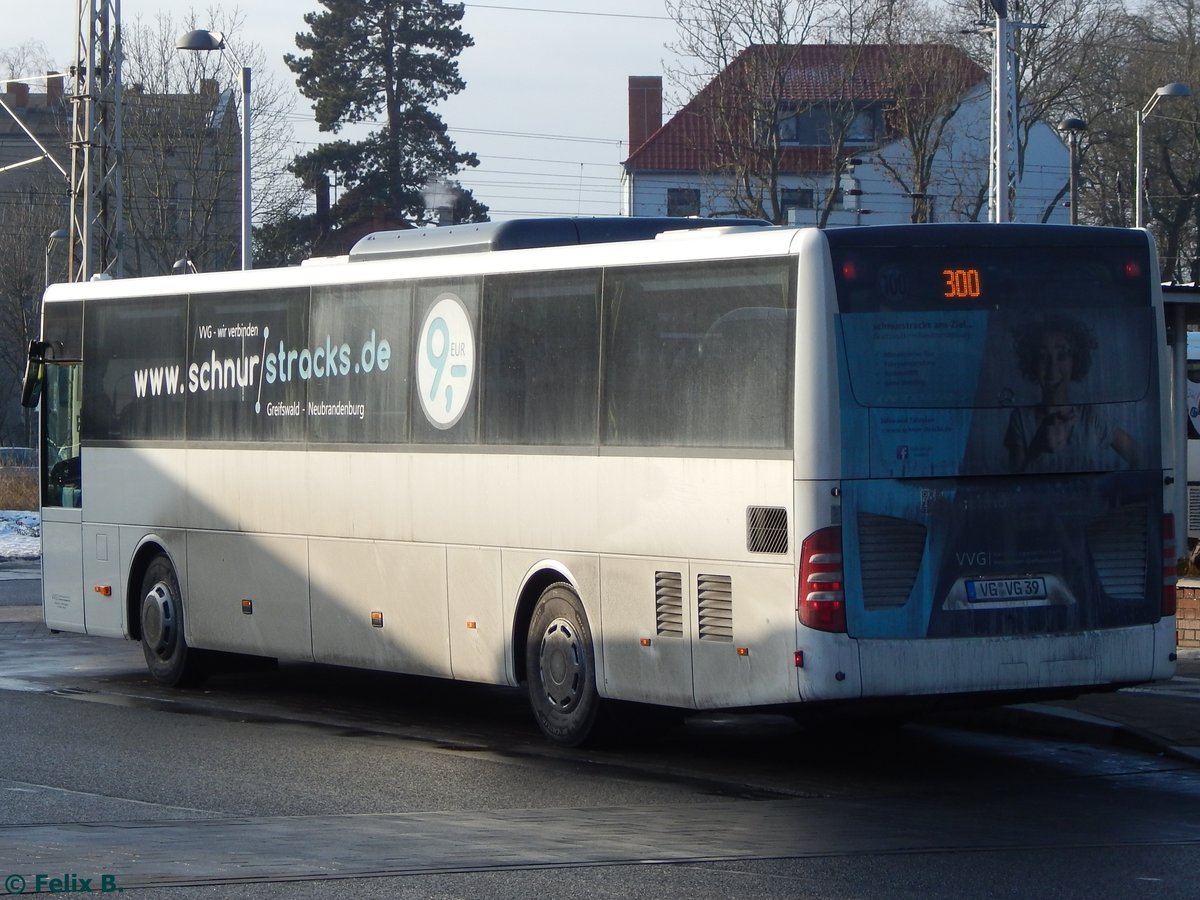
920,212
1074,127
58,234
215,40
1174,89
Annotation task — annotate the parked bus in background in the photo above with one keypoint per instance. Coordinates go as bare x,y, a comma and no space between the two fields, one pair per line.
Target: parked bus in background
717,467
1193,435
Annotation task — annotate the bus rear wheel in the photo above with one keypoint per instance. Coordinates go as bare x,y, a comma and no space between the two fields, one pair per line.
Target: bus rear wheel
170,660
560,664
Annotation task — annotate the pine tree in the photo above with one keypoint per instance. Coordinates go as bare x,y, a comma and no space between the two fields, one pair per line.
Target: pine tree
398,58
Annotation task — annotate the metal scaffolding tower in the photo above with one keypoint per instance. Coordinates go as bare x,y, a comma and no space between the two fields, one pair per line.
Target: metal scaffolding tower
1002,187
97,157
1002,182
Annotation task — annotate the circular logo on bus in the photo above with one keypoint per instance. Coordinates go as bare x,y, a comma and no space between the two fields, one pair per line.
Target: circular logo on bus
445,361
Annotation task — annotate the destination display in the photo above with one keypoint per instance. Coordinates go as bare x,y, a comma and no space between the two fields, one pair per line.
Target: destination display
934,278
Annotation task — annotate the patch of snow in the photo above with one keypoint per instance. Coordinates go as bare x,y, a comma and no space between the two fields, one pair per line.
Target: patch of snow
20,535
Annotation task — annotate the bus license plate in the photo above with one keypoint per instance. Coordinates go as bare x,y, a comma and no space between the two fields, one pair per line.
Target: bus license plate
1006,589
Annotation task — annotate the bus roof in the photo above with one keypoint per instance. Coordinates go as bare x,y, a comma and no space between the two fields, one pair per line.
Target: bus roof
525,234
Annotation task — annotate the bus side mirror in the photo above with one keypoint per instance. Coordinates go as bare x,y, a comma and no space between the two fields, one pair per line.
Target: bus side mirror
31,387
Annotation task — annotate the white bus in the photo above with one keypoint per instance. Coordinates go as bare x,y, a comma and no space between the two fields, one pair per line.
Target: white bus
713,468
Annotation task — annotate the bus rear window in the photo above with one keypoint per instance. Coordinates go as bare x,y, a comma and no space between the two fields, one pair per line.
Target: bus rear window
967,326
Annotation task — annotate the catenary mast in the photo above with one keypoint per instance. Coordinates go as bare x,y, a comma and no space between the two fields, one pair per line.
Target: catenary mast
97,158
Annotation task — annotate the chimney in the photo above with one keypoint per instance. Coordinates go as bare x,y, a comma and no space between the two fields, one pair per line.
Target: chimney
18,91
54,88
645,108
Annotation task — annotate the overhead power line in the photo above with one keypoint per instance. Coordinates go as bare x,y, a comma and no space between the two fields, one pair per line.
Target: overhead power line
568,12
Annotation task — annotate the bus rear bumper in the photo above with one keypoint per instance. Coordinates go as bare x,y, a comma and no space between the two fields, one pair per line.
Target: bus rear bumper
1092,660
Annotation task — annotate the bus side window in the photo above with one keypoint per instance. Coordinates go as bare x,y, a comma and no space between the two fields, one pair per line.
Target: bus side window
743,367
62,483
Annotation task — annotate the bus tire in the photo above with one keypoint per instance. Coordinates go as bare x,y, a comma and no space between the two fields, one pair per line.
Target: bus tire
560,666
170,660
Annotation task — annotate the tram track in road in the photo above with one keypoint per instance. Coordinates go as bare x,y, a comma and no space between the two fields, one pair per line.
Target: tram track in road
248,850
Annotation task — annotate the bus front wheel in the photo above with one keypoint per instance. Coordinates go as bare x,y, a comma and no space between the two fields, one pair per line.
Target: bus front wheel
170,660
561,667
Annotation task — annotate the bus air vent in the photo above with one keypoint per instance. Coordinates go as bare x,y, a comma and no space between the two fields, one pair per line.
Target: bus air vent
668,603
715,593
1118,540
766,529
890,550
1193,511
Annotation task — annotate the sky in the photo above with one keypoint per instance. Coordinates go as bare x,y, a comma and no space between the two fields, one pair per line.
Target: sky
545,103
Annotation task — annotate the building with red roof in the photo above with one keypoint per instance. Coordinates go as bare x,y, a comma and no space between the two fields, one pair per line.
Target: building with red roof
833,134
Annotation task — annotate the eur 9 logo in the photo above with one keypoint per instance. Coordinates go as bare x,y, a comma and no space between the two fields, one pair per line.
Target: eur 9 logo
445,361
961,284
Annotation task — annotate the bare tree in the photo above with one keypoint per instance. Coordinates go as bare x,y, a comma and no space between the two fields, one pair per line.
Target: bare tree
740,142
182,131
28,58
1068,54
929,83
773,79
1167,35
33,210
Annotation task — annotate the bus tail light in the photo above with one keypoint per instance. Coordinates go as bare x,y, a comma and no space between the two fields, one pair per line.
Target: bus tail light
821,603
1169,565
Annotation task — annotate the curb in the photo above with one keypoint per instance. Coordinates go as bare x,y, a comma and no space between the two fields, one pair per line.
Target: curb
23,614
1067,724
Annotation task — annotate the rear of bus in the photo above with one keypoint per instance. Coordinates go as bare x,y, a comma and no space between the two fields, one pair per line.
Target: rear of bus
999,435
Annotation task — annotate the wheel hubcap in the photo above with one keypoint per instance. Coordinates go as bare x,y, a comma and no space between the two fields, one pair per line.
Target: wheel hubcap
562,664
158,619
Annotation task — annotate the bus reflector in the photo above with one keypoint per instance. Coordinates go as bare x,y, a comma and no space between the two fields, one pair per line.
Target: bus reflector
799,659
104,590
248,607
376,619
821,603
1169,576
743,651
646,642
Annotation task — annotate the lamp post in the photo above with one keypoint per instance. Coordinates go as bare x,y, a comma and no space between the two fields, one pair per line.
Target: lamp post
200,40
1074,127
1173,89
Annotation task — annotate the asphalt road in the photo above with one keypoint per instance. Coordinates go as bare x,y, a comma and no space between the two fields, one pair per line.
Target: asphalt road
20,583
316,782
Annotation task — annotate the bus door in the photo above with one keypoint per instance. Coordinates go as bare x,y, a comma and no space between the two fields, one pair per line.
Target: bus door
61,480
54,379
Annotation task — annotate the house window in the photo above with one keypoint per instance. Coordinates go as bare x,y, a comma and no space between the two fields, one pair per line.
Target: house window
683,201
793,201
819,126
796,198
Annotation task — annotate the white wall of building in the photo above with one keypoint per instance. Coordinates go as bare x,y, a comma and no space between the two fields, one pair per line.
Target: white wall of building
959,188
